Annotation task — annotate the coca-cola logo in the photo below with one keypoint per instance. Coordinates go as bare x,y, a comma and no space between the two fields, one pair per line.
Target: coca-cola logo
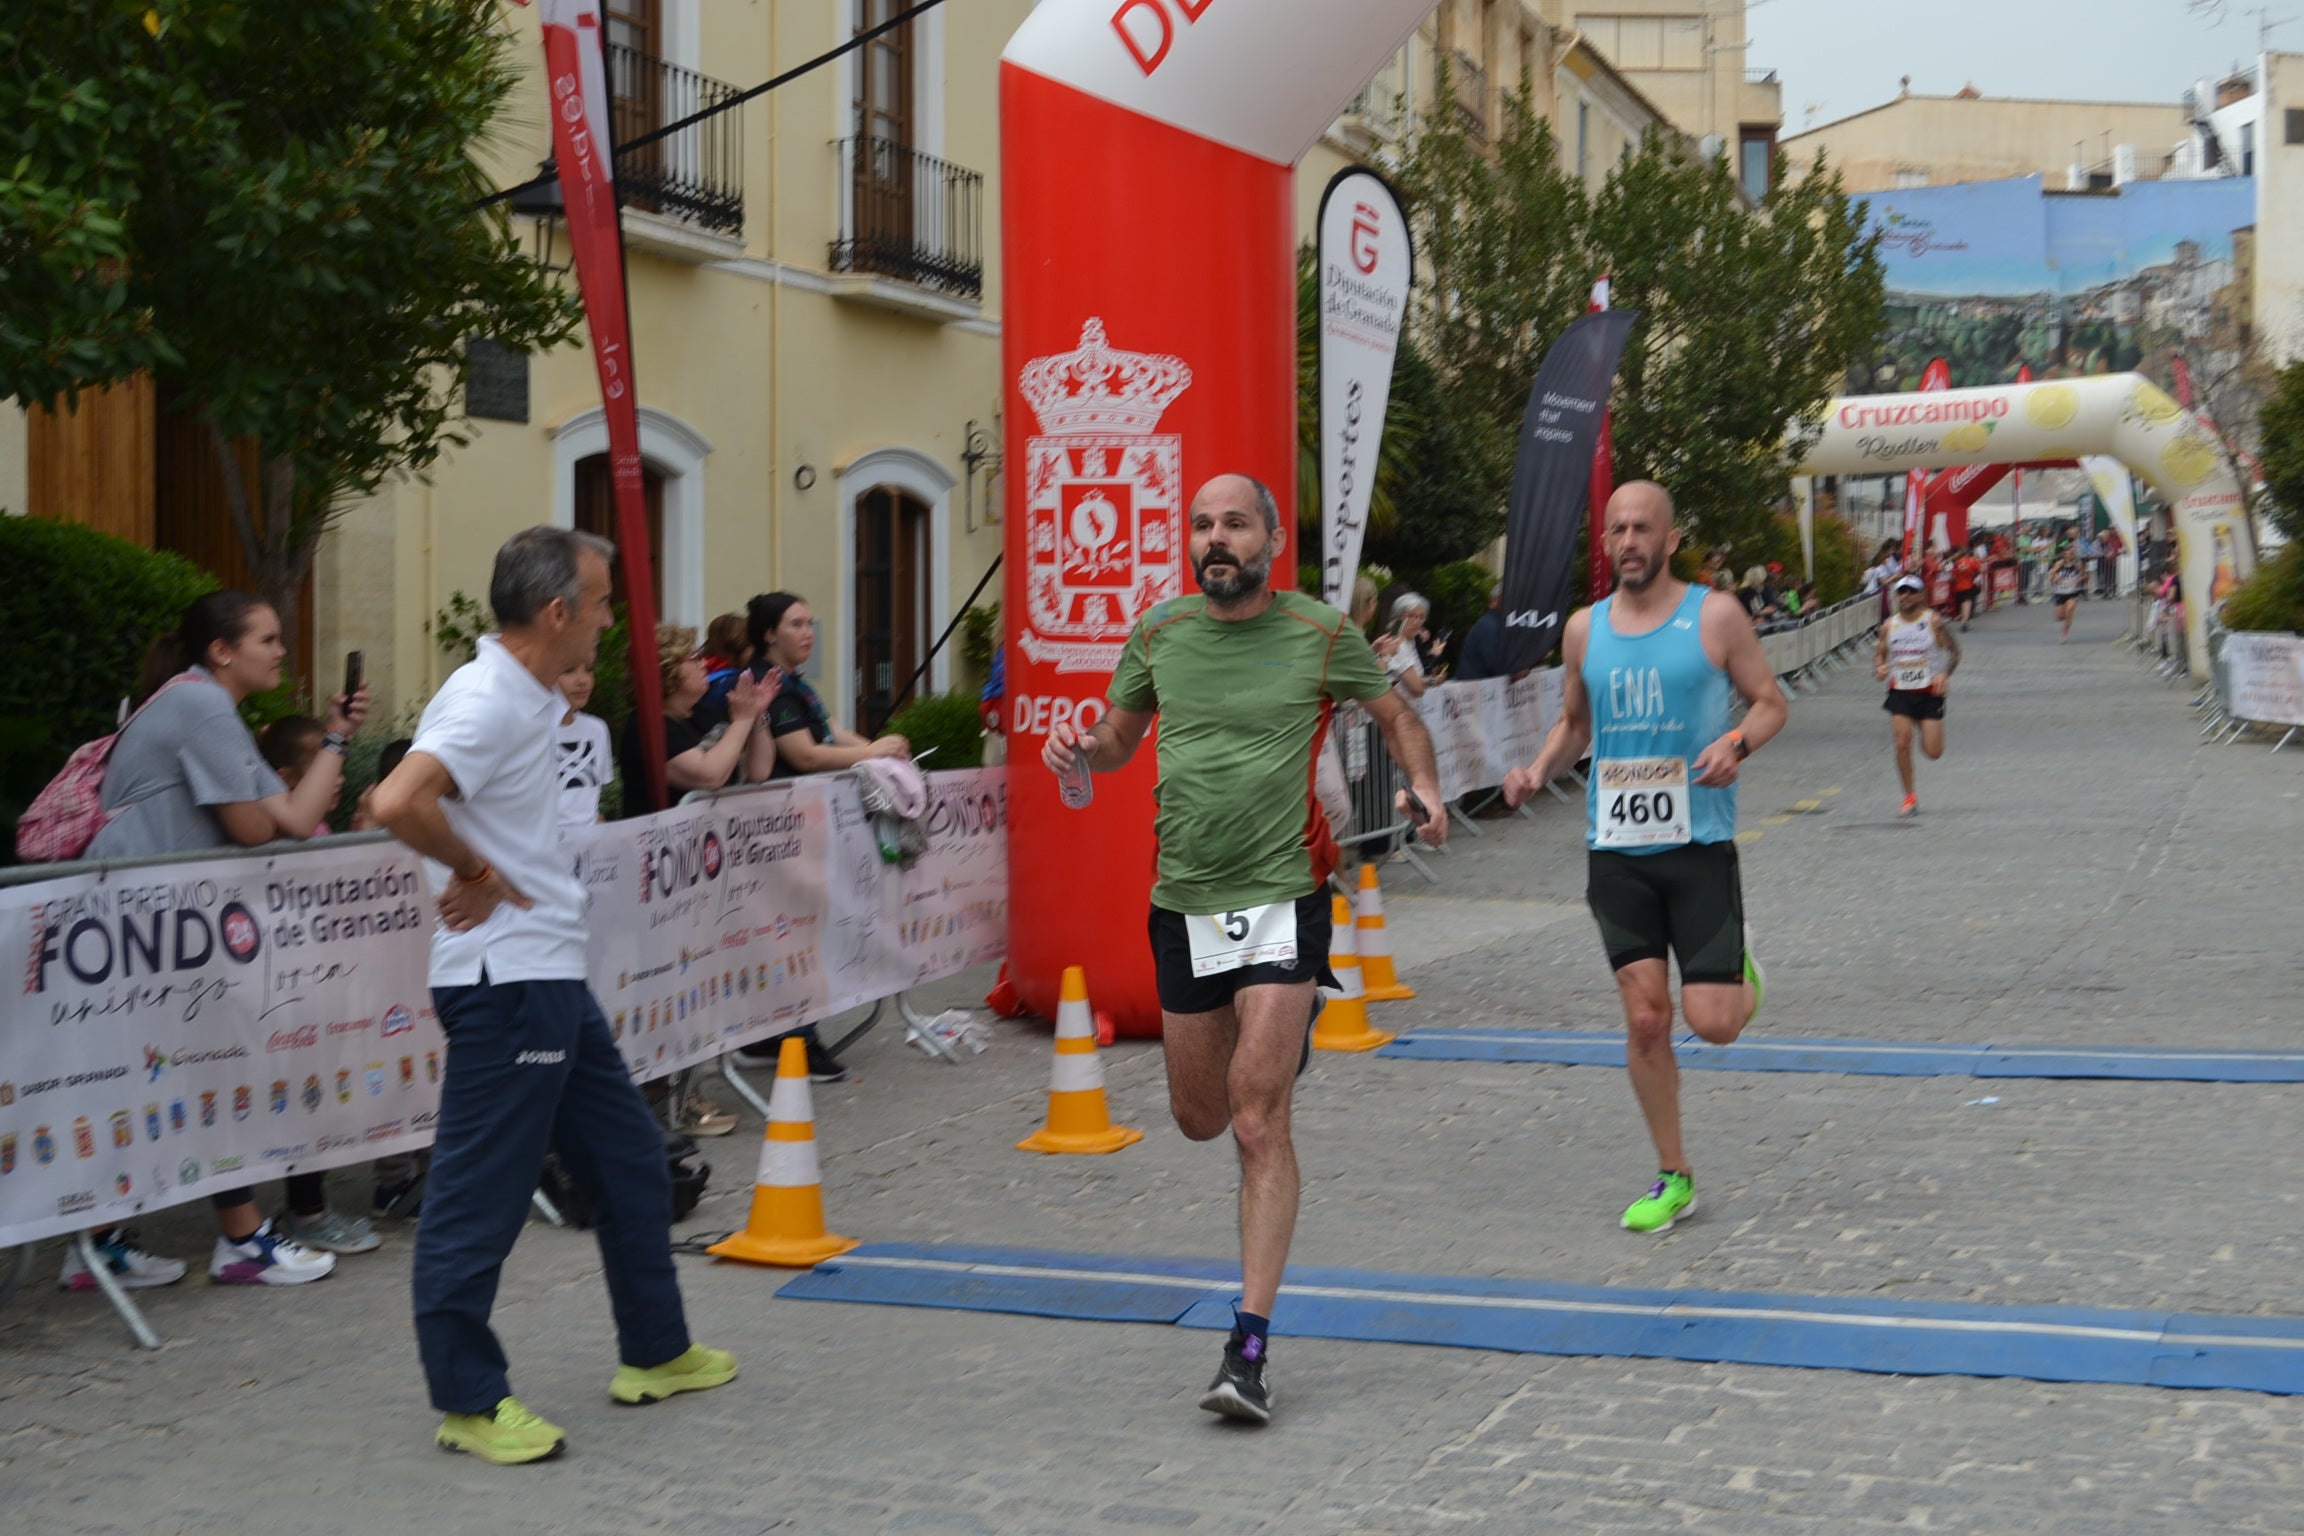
293,1039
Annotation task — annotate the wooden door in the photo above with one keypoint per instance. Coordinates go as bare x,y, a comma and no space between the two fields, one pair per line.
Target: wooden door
882,170
596,514
891,600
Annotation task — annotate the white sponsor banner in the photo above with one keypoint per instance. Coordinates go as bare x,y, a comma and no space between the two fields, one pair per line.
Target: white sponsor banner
2265,674
1365,266
183,1028
1482,731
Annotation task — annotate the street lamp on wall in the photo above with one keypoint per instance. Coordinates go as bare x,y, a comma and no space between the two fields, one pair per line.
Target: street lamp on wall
981,449
540,201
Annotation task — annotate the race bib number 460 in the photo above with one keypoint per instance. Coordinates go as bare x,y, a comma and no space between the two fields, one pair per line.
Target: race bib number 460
1226,941
1643,801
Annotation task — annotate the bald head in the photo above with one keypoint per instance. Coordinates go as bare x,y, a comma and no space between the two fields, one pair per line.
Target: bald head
1638,533
1244,492
1647,495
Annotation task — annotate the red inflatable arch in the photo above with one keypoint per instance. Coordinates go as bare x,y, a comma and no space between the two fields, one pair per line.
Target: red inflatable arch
1148,236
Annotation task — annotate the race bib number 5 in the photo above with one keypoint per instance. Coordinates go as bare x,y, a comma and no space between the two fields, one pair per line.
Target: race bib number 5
1226,941
1643,802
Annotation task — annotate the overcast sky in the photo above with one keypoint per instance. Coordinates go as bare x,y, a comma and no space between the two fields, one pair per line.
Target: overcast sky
1842,56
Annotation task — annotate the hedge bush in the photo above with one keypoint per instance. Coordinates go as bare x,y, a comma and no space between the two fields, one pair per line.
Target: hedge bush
2272,598
82,607
949,723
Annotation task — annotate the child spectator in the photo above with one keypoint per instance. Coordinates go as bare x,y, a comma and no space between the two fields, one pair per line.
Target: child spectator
581,743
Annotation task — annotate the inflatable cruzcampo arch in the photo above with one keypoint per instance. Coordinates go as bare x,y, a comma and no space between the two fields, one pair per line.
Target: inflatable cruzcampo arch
2123,416
1148,323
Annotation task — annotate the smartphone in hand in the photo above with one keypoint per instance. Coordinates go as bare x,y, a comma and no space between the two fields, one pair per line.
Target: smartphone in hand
355,673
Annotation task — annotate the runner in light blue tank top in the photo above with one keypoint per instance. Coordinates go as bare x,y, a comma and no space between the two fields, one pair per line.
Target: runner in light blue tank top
1662,875
1657,700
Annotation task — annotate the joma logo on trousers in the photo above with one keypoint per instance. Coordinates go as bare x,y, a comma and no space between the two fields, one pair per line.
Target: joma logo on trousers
539,1058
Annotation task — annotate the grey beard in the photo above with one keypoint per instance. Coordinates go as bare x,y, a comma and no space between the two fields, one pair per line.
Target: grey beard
1231,589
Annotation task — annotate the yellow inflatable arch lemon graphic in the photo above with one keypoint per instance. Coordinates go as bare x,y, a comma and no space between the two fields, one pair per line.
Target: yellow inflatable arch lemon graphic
2188,460
2052,407
2154,406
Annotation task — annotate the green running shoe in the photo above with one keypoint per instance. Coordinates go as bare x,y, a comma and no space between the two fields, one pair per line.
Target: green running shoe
1753,975
690,1371
506,1434
1671,1197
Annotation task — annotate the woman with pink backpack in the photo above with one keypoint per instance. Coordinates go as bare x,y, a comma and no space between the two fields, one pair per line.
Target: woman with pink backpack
185,774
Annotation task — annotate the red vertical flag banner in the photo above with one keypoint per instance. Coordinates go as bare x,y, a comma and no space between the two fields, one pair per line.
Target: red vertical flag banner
576,75
1603,471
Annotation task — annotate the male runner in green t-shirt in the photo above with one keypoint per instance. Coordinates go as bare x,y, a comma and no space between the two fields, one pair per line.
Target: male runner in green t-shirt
1243,679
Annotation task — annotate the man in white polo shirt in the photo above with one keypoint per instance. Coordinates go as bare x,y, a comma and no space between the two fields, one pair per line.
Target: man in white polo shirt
531,1064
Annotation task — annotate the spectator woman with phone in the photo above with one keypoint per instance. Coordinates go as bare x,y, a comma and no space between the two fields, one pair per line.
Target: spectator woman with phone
186,775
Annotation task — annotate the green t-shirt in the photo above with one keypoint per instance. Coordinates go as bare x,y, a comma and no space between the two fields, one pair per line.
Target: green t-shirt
1242,707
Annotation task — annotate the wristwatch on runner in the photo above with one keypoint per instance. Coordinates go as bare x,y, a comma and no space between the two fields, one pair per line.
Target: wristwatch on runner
1743,751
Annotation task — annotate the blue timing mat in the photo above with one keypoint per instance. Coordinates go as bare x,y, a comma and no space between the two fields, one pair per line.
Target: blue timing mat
2256,1354
1864,1058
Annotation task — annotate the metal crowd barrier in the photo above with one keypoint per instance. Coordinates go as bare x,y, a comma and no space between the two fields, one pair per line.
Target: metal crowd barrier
1803,655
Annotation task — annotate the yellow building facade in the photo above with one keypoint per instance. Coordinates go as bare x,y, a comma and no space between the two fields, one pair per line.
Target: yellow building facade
1933,141
815,307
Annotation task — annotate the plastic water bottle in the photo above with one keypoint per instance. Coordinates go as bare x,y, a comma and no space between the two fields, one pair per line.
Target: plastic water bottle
1076,785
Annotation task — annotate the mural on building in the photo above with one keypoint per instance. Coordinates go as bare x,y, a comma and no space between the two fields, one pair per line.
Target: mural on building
1993,275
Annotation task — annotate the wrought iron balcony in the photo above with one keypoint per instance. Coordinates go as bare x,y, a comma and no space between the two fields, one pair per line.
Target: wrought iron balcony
696,175
910,216
1471,85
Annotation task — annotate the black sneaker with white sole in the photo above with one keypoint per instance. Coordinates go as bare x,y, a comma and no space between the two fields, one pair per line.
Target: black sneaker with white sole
1239,1390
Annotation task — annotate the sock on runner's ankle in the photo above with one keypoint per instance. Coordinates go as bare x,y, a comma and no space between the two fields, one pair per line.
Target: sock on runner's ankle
1251,1326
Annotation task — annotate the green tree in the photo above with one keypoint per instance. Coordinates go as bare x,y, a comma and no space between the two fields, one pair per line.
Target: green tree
1750,318
2280,425
1748,324
274,207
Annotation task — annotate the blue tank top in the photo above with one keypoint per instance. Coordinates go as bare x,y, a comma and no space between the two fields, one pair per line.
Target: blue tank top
1657,701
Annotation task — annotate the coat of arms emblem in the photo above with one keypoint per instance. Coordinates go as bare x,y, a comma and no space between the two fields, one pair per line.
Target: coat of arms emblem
1103,500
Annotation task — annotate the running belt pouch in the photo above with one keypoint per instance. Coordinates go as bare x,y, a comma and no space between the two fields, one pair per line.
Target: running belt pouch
689,1173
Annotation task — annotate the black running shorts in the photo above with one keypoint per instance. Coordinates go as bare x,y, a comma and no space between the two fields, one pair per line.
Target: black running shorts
1915,704
1183,992
1689,900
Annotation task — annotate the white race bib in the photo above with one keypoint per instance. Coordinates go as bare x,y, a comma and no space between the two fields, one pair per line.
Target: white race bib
1910,675
1643,802
1226,941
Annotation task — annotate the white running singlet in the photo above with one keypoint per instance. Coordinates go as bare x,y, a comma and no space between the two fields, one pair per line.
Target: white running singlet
1912,653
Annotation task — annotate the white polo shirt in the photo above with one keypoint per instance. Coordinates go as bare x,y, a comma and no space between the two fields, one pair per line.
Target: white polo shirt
491,726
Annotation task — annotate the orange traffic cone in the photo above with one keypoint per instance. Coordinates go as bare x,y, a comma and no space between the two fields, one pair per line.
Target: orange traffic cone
1384,984
1078,1119
787,1223
1343,1024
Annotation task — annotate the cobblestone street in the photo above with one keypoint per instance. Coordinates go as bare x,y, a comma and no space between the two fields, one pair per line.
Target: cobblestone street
2084,871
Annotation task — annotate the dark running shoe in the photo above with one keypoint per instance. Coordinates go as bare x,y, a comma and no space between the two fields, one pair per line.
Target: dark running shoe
1239,1390
823,1066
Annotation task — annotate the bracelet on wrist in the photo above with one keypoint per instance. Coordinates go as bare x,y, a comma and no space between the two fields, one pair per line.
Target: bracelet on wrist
477,879
336,742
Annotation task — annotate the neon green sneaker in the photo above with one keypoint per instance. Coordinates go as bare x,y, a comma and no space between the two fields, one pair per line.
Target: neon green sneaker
506,1434
1756,978
1671,1197
692,1370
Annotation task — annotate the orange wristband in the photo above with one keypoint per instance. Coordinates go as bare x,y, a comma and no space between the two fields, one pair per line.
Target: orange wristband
479,879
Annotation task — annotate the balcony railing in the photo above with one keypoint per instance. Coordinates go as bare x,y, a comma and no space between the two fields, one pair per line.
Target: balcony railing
1760,77
1471,84
696,175
910,216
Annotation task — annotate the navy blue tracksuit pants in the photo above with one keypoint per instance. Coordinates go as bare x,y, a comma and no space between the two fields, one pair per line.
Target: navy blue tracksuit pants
531,1066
